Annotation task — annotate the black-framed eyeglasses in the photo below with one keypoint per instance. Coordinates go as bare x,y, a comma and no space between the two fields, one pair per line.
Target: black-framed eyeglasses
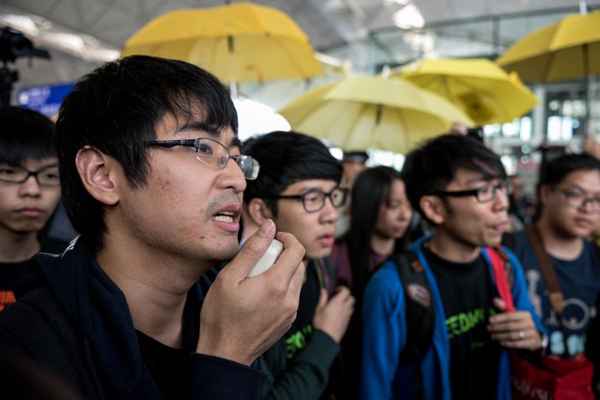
578,199
313,200
213,153
47,176
483,194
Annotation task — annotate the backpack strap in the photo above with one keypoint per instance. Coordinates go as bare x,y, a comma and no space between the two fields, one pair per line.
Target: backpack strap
420,316
555,295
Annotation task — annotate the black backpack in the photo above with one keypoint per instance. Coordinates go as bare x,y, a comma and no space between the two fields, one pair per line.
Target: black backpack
420,315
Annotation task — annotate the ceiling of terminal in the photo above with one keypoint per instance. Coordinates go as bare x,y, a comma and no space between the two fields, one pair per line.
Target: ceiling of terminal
330,24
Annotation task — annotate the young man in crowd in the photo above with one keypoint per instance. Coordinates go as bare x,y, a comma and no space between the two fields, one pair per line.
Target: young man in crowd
152,181
569,212
298,188
459,186
29,193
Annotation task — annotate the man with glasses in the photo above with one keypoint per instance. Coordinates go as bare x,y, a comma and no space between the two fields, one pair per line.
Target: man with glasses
29,193
298,187
568,212
459,186
152,179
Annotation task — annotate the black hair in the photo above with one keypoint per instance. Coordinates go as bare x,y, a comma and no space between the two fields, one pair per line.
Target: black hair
286,158
26,134
433,165
370,191
553,172
115,109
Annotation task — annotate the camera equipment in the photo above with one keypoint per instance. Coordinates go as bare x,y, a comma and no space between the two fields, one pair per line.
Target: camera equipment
14,45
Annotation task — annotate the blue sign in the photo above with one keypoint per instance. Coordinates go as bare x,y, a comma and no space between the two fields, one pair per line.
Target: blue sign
46,98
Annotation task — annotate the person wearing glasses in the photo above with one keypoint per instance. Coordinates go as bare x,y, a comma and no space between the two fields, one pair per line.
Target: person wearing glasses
459,186
298,187
568,213
152,179
29,194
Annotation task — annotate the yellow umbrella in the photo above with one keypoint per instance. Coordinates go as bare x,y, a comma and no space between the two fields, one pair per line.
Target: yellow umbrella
238,42
568,49
478,86
362,112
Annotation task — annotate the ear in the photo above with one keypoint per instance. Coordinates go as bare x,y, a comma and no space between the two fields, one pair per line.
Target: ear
98,175
544,193
434,209
258,211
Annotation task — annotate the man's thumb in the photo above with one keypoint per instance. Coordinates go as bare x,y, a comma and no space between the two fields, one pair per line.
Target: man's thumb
323,298
500,304
253,249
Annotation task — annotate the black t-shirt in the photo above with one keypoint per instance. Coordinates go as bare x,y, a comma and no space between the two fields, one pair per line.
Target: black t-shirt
467,292
18,278
170,368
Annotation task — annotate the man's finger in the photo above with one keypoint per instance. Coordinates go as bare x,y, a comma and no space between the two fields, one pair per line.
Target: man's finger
510,317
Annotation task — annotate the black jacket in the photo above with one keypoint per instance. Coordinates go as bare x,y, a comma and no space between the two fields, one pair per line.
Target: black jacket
77,324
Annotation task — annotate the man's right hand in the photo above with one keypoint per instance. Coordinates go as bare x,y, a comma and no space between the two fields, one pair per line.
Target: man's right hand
333,316
243,317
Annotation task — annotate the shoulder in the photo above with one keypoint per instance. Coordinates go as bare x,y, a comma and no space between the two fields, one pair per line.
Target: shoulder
30,320
385,282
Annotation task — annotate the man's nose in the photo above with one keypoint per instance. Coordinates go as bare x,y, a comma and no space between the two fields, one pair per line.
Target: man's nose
30,187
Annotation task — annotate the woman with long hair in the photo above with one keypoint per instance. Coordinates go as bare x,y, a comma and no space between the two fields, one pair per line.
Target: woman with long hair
380,216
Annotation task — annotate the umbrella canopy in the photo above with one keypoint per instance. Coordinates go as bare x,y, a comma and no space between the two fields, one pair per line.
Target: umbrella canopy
479,87
362,112
566,50
238,42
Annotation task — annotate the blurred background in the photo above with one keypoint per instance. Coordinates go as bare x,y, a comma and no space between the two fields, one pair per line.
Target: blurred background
370,37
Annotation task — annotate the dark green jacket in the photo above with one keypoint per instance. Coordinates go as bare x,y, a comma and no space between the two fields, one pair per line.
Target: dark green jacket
298,365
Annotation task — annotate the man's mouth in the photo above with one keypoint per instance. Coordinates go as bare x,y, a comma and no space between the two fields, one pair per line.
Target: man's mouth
227,217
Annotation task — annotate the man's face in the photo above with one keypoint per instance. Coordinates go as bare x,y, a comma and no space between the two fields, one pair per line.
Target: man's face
395,213
25,207
187,208
571,207
470,221
351,169
315,230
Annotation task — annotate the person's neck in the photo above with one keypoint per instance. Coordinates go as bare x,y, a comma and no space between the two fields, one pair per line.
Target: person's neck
382,246
448,248
16,247
558,244
155,285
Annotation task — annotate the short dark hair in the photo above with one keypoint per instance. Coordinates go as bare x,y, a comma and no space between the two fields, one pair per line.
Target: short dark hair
433,165
115,109
26,134
370,191
556,170
286,158
553,172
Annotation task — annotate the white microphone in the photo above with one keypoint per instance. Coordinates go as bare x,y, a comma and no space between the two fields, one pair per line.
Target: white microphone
268,259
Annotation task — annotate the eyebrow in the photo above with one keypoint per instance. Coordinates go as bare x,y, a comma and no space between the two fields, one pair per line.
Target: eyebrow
198,126
575,186
482,179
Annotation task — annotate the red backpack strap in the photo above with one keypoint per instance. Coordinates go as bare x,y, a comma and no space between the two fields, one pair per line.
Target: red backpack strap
499,261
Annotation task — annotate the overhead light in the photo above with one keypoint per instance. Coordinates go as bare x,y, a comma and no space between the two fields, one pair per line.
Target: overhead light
408,17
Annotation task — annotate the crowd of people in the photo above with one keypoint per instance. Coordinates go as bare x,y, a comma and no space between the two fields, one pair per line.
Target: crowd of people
390,284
